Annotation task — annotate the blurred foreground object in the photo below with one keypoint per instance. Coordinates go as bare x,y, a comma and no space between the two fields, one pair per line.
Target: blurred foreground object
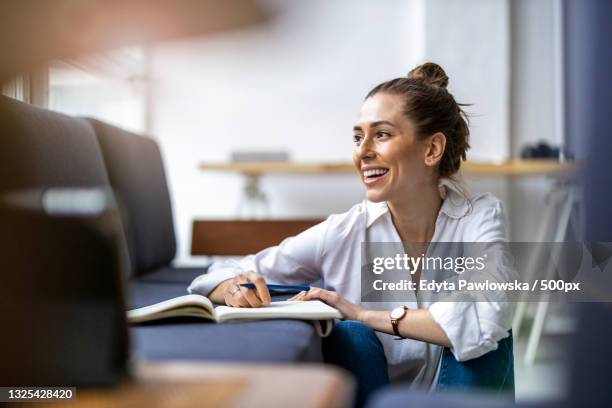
33,32
589,39
63,318
211,385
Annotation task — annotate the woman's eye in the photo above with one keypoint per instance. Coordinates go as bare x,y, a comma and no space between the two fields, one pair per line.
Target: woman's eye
383,134
357,138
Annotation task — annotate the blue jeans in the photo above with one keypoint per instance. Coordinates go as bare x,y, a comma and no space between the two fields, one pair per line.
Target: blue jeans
355,347
493,371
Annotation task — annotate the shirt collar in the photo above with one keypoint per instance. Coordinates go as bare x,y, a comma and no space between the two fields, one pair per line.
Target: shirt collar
375,210
456,204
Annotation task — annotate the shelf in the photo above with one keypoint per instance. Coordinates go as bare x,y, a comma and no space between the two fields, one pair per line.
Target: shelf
506,168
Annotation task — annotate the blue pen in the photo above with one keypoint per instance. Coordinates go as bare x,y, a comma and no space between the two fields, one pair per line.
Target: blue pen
280,288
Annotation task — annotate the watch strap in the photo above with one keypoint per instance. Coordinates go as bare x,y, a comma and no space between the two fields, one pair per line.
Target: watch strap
395,324
395,328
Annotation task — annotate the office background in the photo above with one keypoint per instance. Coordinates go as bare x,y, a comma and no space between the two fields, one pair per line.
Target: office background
296,85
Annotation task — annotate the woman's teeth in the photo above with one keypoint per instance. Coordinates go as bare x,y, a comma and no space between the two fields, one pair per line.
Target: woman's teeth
374,172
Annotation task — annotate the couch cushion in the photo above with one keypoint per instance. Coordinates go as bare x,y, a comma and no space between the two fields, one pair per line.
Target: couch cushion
197,339
263,341
41,148
136,172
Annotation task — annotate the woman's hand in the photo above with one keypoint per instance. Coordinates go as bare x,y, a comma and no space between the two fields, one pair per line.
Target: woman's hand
349,310
239,296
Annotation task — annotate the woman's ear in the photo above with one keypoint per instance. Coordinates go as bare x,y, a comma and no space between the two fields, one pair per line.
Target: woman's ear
435,149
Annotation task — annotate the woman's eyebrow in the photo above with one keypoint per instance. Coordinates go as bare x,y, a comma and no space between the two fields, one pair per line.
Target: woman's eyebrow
382,122
375,124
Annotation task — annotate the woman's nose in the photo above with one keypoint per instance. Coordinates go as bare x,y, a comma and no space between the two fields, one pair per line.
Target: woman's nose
364,150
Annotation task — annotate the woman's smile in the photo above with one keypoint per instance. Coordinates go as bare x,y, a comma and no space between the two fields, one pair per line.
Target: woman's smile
371,175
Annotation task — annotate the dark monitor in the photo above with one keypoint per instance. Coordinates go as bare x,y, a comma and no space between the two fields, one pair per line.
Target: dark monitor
61,293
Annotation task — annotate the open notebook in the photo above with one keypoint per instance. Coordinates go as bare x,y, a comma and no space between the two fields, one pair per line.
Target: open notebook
201,306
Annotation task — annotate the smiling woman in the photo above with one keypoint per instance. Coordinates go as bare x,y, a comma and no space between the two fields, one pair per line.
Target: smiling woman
410,133
410,139
407,118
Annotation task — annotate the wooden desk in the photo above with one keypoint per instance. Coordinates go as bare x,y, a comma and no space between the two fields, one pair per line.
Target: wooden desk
202,385
243,237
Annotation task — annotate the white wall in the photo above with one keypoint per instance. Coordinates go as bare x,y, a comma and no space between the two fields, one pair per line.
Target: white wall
534,98
470,39
533,73
298,84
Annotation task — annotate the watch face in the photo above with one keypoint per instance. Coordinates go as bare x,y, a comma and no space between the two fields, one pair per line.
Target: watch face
398,312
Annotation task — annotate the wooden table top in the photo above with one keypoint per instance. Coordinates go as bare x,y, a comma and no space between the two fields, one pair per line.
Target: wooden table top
203,385
505,168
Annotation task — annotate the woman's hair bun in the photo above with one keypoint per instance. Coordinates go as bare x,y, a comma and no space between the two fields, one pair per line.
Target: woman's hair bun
431,74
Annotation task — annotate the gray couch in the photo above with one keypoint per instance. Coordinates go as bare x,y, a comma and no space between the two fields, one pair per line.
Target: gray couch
43,149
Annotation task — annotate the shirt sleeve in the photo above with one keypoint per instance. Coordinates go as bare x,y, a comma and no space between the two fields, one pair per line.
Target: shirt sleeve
475,328
296,260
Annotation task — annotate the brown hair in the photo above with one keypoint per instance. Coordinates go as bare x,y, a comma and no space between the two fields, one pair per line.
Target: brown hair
432,109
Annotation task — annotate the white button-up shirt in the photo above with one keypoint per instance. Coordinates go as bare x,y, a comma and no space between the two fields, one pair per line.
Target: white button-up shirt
331,251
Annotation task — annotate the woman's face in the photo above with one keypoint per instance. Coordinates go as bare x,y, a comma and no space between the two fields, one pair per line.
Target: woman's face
388,156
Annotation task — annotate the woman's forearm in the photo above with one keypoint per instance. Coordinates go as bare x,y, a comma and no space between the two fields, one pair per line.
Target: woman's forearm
417,324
